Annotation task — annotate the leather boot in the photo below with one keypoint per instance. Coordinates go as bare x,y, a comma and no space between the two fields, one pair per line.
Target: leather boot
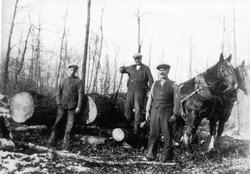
169,155
150,156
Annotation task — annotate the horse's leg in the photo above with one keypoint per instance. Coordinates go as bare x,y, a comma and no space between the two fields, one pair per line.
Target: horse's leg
187,137
219,132
197,123
212,125
220,128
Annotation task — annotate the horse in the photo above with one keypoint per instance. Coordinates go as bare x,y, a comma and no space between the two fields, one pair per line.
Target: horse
220,111
206,87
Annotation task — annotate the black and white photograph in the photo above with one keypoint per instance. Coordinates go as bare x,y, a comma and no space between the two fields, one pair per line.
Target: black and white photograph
125,86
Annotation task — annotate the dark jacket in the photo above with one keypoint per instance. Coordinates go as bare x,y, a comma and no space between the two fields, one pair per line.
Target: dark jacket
139,80
69,93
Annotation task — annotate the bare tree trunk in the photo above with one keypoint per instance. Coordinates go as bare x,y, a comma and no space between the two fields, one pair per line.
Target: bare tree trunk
85,56
31,68
115,74
89,74
65,56
99,56
61,56
150,54
37,58
94,66
7,58
139,30
107,77
17,63
235,39
235,63
223,35
190,59
177,64
20,67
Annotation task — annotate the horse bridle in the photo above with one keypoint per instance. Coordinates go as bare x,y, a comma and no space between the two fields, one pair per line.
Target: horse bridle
222,75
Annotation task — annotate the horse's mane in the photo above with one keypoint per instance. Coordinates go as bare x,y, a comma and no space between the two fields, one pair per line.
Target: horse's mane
188,86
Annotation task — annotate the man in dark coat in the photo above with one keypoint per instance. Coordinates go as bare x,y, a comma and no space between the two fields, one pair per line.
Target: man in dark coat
69,101
162,107
139,83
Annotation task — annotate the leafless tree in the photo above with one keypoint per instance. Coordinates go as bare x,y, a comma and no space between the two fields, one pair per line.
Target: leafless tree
59,71
105,78
235,62
38,57
99,54
85,56
115,73
92,63
223,34
9,47
138,16
150,54
20,66
190,59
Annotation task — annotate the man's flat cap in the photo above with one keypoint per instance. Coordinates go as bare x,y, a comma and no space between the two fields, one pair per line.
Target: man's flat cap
73,66
137,55
163,66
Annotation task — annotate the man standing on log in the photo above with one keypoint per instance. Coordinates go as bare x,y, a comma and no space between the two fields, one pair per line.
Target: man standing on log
69,100
139,83
162,107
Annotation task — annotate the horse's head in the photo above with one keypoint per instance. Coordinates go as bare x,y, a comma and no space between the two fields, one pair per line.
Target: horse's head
242,77
227,73
221,77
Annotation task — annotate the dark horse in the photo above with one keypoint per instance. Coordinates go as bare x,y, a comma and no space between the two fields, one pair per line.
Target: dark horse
220,110
206,87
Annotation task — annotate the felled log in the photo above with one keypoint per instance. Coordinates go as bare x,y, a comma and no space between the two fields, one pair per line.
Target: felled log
120,134
32,108
110,110
25,128
66,154
127,135
93,140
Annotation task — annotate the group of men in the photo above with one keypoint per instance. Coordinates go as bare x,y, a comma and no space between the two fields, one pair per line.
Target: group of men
160,100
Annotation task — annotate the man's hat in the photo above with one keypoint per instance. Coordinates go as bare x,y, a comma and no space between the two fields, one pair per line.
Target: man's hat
163,66
73,66
137,55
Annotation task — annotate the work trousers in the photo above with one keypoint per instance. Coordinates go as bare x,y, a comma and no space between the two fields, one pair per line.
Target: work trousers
135,100
69,125
159,124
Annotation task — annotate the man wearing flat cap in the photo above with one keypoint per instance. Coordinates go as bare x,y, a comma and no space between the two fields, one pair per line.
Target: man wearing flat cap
139,83
162,107
69,101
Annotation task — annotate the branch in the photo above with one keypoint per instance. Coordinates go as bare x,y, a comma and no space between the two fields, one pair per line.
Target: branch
66,154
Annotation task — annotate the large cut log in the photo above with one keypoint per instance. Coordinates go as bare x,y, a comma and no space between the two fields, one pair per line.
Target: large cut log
110,111
32,108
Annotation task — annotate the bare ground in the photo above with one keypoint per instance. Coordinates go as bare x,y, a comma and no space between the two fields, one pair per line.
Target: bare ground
230,156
